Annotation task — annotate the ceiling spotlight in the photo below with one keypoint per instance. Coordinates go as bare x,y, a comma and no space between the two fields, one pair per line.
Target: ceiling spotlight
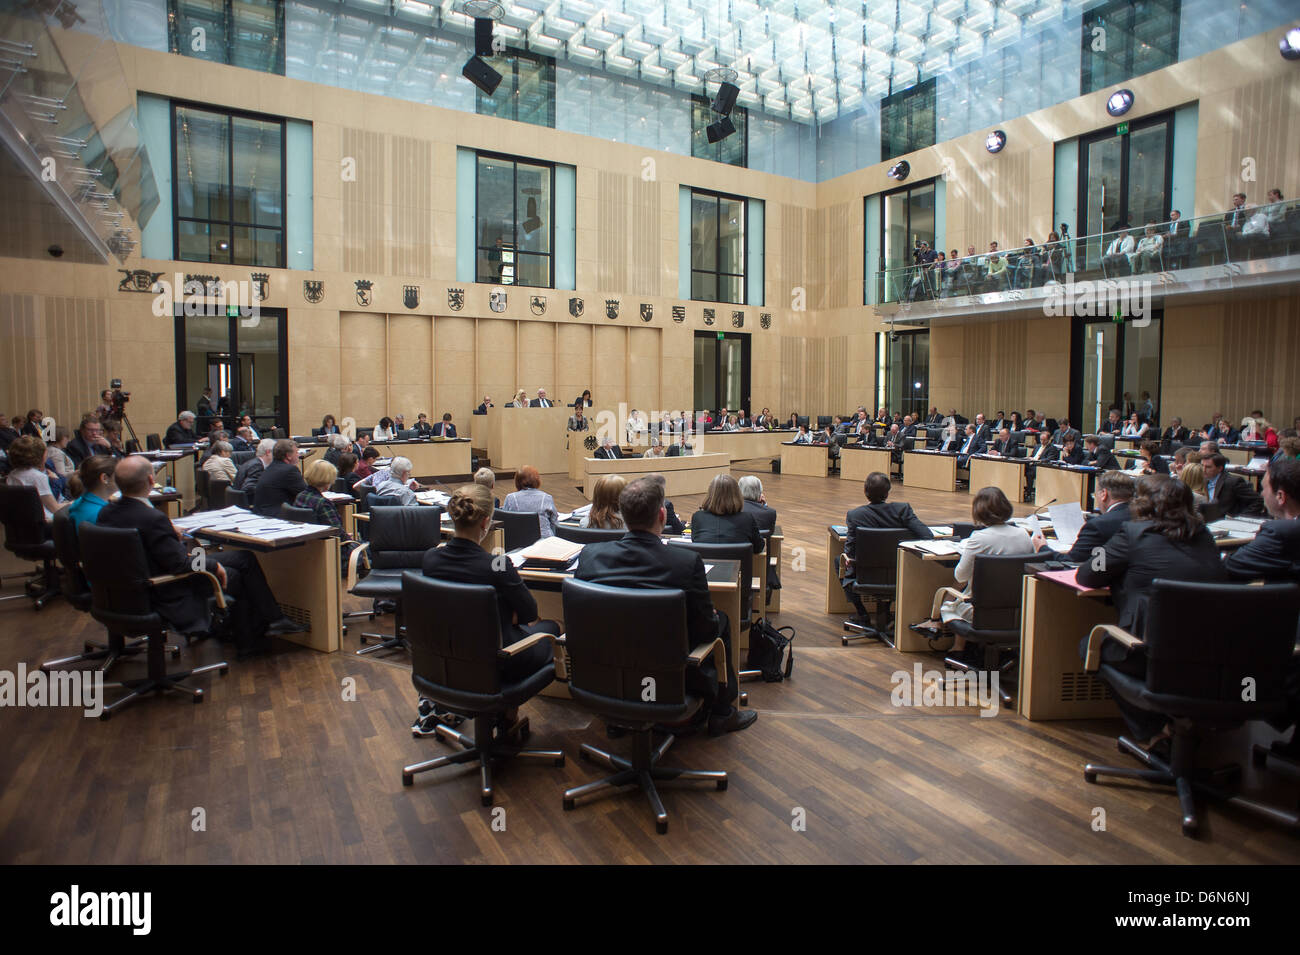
720,130
481,75
1290,45
995,141
899,170
1120,102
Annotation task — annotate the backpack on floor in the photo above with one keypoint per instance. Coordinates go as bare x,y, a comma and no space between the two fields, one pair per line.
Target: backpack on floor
771,651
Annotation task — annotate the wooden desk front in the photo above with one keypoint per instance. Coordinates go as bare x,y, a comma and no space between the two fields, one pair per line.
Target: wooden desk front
1062,485
856,463
684,474
431,458
1053,682
808,459
938,472
1005,473
519,436
741,445
577,451
920,575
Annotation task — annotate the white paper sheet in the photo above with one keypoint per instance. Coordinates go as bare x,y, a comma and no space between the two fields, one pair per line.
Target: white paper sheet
1067,521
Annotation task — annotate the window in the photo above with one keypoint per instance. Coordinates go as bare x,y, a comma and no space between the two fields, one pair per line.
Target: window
717,247
907,120
1125,180
733,150
228,182
527,90
721,370
514,228
907,220
247,33
247,367
904,357
1126,38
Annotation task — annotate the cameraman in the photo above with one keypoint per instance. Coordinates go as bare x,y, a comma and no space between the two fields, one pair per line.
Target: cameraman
182,432
105,409
89,441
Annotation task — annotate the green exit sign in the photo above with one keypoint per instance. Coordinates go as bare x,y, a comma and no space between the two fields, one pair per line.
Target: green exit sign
721,336
1122,129
232,311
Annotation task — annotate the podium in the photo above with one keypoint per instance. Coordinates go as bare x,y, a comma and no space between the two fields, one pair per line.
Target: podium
519,436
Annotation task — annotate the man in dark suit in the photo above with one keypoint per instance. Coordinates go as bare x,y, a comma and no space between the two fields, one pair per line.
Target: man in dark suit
89,441
933,419
205,411
1112,424
1098,455
1005,446
444,428
971,444
608,450
1114,491
281,481
240,442
184,604
541,401
484,405
639,560
1174,435
982,429
878,512
1274,554
1062,429
679,447
182,431
250,472
1229,494
751,490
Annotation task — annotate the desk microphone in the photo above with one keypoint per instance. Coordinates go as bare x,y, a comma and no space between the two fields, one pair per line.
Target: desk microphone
1041,507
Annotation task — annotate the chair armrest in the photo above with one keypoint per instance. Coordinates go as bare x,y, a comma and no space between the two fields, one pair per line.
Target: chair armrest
212,579
361,517
527,643
1093,660
714,649
354,563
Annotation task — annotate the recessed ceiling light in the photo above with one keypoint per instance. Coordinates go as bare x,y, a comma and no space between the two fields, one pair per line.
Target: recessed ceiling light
995,141
1119,102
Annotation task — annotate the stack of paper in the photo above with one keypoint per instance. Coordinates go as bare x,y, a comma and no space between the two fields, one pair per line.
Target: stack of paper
939,548
941,530
1067,521
1235,527
552,549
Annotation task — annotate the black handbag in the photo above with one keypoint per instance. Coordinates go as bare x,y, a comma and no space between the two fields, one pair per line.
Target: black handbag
771,651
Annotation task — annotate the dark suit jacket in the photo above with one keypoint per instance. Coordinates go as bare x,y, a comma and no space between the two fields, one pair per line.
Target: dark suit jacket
1097,530
1107,427
676,450
1076,456
536,403
673,524
78,450
1274,554
279,484
482,408
178,435
441,430
1232,437
1137,554
1175,436
1050,453
885,514
1159,465
1008,448
1233,495
1103,459
182,604
239,444
640,560
462,562
249,473
739,528
977,446
610,453
764,516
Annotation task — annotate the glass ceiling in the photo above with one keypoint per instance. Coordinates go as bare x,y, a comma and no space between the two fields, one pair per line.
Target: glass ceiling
806,60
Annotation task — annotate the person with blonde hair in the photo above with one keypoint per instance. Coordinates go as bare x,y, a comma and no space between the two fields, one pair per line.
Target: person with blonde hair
604,503
488,479
463,560
320,477
1194,477
722,518
219,464
521,400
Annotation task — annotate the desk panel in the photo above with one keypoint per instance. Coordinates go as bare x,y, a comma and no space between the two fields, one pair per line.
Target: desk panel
1063,486
857,463
741,445
308,585
1004,474
431,458
807,459
688,474
938,472
519,436
1053,682
918,579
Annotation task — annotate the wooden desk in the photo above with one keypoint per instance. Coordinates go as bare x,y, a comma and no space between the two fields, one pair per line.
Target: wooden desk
856,462
519,436
836,602
1053,682
920,575
1064,485
1241,455
580,445
684,474
741,445
809,459
169,504
775,543
938,472
430,458
1005,473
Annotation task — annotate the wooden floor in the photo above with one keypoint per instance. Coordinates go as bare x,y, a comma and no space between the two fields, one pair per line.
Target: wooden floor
287,771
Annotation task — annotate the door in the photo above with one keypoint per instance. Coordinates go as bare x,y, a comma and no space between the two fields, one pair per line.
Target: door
907,219
1114,365
245,365
1125,180
721,370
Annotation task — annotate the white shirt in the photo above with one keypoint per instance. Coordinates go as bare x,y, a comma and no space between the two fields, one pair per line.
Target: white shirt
999,539
383,434
32,477
1120,246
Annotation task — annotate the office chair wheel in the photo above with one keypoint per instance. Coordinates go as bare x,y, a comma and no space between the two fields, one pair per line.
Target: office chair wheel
744,698
1259,755
225,670
1088,775
722,785
661,826
198,697
103,717
844,641
558,761
568,804
408,779
485,798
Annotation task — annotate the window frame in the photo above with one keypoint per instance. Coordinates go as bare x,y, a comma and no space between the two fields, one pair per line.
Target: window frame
514,192
227,16
698,100
743,275
231,224
514,54
928,87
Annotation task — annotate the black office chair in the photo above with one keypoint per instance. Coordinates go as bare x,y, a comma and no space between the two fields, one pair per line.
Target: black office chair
277,433
153,442
202,479
132,446
521,528
217,493
303,515
743,552
23,517
617,638
456,661
588,535
121,599
407,434
76,590
997,585
399,536
241,457
1197,663
823,420
875,578
235,497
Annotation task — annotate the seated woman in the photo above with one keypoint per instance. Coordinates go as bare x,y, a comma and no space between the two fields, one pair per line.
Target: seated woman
792,422
464,561
1152,462
722,518
990,511
521,400
1017,422
803,437
337,444
604,503
327,425
656,449
347,476
385,431
219,464
57,461
96,485
1135,427
1192,475
320,476
528,496
366,466
27,468
488,478
1165,539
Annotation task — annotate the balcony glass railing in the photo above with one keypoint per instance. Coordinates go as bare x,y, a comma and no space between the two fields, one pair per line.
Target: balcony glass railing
1253,232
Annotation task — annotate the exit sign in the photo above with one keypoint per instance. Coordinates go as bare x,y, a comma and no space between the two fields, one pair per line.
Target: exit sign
1122,129
721,336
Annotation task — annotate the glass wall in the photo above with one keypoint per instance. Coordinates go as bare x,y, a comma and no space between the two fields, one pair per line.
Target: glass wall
514,227
907,120
717,247
907,221
527,90
243,361
907,385
1114,365
731,150
1126,38
247,33
228,182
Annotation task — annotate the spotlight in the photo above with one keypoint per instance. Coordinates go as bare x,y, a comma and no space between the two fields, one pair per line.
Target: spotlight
1120,102
481,75
899,170
995,141
725,98
55,251
1290,45
720,130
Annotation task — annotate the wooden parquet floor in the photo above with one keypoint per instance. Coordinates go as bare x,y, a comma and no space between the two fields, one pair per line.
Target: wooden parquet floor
287,771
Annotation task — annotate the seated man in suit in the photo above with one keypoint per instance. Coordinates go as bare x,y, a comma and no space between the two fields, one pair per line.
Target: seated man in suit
1175,434
182,431
397,482
541,401
1112,424
281,482
1064,428
578,421
484,405
1229,494
878,512
933,419
751,490
184,603
609,450
639,560
250,472
679,447
243,440
971,444
444,428
1114,491
1005,446
1098,455
89,441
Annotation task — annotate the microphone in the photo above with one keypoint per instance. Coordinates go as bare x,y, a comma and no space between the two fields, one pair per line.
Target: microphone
1042,507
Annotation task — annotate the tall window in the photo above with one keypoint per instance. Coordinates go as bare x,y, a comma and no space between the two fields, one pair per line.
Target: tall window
1125,180
717,247
907,120
734,149
527,90
247,367
228,178
905,359
247,33
1126,38
907,219
514,225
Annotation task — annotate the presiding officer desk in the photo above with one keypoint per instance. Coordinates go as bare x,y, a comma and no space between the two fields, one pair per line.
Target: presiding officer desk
431,457
519,436
684,474
741,445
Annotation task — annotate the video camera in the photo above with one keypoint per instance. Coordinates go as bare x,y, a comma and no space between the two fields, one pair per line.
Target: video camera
118,400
